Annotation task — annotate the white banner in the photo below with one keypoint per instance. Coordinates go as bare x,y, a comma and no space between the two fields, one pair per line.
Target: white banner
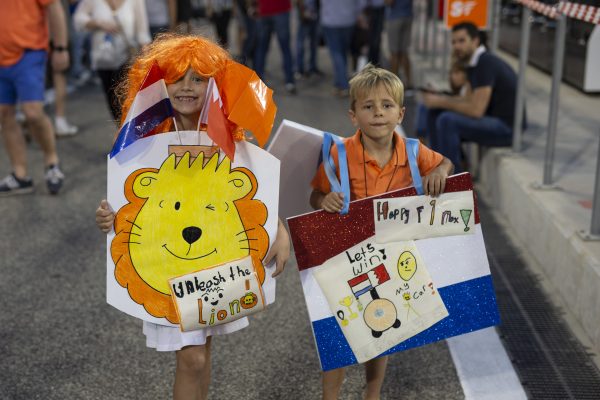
420,217
380,295
217,295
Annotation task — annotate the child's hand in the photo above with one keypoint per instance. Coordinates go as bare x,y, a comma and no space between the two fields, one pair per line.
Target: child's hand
280,250
333,202
104,217
435,183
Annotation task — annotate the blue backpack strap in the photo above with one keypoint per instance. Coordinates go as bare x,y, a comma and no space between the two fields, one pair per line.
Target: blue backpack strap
412,150
343,185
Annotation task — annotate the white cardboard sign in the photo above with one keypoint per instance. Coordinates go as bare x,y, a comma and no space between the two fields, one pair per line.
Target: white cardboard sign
177,198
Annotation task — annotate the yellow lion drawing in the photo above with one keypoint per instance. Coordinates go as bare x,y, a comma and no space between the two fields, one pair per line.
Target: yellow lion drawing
183,218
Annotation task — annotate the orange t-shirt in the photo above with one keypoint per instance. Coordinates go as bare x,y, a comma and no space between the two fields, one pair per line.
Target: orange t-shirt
394,175
23,27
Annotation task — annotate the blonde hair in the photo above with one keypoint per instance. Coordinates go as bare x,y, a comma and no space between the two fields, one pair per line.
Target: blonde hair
369,78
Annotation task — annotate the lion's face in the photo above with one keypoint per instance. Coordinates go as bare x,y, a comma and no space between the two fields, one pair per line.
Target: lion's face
188,218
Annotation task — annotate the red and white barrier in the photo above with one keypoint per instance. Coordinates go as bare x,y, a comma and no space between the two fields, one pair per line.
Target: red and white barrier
582,12
546,9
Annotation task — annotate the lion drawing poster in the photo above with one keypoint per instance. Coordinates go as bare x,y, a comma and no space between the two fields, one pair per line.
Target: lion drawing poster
182,206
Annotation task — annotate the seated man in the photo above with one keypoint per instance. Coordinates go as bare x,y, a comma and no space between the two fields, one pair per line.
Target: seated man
486,114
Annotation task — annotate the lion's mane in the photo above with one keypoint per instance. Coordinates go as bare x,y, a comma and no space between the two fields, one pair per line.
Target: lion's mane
253,214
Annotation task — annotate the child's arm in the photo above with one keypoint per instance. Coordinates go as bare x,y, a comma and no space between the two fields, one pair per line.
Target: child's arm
435,182
280,249
104,217
332,202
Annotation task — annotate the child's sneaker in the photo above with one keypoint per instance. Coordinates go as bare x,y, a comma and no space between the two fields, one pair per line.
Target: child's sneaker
11,185
63,128
54,178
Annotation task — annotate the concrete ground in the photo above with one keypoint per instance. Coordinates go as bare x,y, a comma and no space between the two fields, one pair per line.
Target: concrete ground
60,340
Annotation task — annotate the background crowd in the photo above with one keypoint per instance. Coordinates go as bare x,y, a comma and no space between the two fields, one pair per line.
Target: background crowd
104,34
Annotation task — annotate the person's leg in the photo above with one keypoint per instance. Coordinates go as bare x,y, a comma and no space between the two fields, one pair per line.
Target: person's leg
221,21
249,47
392,29
17,182
375,370
282,29
192,372
41,129
345,42
421,121
453,128
110,79
405,40
61,125
333,38
394,62
264,28
60,93
313,35
300,38
116,77
29,79
13,139
404,61
105,79
332,383
76,59
376,19
432,133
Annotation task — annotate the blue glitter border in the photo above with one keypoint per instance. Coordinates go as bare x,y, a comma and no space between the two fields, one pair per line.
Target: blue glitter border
471,306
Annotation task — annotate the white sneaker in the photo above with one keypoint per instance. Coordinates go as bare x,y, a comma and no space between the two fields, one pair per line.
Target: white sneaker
12,185
54,178
63,128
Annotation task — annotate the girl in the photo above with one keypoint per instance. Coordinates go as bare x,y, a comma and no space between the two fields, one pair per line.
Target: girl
187,62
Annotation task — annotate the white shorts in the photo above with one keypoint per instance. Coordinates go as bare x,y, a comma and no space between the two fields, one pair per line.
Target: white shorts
167,338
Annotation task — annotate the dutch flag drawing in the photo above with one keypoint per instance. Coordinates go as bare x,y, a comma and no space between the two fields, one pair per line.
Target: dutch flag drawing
360,285
458,266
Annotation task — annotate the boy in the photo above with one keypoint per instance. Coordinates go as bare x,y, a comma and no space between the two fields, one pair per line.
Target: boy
377,163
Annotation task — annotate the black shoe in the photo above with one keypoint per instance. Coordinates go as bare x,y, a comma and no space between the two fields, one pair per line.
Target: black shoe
11,185
290,88
54,178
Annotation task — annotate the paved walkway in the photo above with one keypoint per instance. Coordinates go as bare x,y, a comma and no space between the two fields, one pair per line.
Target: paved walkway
60,340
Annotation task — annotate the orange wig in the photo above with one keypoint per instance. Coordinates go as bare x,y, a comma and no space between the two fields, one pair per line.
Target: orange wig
175,54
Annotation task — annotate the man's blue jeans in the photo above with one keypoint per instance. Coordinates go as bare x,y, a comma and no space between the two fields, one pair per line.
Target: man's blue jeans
249,45
306,29
280,23
338,42
447,129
